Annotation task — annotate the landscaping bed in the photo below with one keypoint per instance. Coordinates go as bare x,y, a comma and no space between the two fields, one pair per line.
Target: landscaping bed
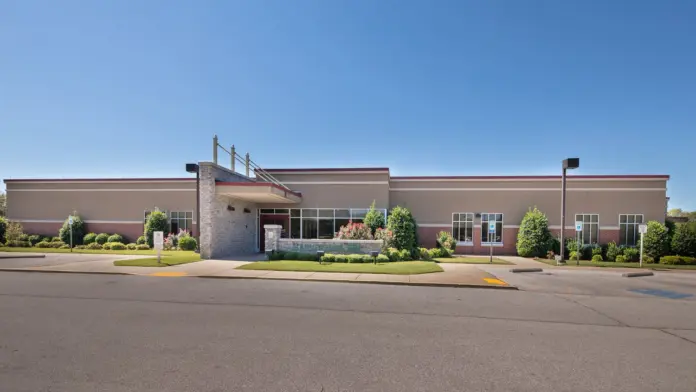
394,268
613,264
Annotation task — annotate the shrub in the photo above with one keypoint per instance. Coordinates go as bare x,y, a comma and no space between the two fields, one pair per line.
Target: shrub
34,239
64,246
424,254
24,237
187,243
341,259
13,231
554,245
106,246
56,244
18,244
574,255
656,240
93,246
383,259
684,240
368,259
117,246
291,256
613,251
89,238
328,258
620,259
276,255
78,230
115,238
142,247
43,244
597,258
572,245
101,238
387,237
648,259
596,250
393,254
156,221
374,219
550,255
3,227
56,239
80,247
141,240
631,254
405,255
355,258
403,226
446,241
678,260
354,231
533,236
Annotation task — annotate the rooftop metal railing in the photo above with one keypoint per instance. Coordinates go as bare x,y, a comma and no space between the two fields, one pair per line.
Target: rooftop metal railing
259,173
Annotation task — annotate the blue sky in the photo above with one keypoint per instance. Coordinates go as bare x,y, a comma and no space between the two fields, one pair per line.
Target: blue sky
138,88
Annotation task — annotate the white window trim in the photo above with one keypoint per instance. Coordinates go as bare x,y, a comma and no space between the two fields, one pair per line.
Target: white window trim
473,227
575,236
502,224
637,235
169,214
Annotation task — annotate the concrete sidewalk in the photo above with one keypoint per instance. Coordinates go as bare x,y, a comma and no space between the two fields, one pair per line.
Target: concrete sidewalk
454,275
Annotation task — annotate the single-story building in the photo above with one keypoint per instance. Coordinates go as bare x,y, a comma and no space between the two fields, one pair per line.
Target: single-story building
313,203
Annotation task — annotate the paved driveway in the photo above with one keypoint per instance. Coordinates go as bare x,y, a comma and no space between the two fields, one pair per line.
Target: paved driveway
57,259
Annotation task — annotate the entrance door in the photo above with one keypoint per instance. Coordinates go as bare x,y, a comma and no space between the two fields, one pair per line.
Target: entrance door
282,220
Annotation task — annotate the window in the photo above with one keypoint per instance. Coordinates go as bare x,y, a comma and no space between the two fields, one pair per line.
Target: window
628,228
590,228
180,220
322,223
463,227
496,238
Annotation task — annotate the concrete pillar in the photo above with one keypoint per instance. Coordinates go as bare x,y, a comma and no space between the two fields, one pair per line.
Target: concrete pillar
272,235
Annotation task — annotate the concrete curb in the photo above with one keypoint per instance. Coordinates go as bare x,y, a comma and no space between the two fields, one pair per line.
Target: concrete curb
452,285
36,256
65,272
518,270
636,274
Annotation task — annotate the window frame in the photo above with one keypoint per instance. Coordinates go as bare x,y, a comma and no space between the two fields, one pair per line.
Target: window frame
502,228
178,219
582,236
636,234
355,214
459,226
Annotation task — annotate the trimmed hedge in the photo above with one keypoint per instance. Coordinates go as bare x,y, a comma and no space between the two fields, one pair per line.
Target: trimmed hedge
94,246
101,238
89,238
597,258
141,240
620,259
142,247
131,246
678,260
115,238
78,231
187,243
117,246
18,244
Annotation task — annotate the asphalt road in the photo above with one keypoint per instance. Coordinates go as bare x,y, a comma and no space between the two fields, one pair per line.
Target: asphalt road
64,332
55,259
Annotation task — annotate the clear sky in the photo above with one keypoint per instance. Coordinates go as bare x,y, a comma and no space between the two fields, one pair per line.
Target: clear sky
137,88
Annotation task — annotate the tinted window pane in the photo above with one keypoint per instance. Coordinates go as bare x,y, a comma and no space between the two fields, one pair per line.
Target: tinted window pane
631,218
267,210
294,228
358,213
622,218
455,231
326,228
630,236
309,213
281,210
309,228
594,233
622,235
295,212
639,218
595,218
342,213
326,213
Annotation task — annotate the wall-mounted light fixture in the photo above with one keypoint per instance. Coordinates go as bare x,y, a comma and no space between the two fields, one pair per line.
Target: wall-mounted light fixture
247,211
230,208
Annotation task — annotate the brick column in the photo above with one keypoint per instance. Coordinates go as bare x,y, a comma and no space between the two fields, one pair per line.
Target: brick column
272,235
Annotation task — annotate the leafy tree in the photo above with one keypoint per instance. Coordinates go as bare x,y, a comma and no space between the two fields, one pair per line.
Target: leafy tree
156,221
656,240
3,204
3,227
403,227
78,230
534,237
684,240
675,212
446,241
374,219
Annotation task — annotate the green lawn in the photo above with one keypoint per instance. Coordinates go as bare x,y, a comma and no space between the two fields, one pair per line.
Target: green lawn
471,260
93,251
168,259
395,268
611,264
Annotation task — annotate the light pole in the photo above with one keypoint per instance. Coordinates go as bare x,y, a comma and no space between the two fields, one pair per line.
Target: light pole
570,163
194,168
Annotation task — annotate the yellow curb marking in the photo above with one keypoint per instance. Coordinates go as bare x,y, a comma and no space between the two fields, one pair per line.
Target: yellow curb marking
169,274
494,281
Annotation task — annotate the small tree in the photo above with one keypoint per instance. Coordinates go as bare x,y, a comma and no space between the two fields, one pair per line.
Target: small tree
14,231
78,230
684,240
446,241
534,237
354,231
3,227
387,238
156,221
3,204
374,219
656,240
403,226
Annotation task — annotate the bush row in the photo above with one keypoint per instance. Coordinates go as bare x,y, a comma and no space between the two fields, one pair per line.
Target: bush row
390,254
678,260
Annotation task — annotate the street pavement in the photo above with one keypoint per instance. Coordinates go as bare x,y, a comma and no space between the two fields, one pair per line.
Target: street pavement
69,332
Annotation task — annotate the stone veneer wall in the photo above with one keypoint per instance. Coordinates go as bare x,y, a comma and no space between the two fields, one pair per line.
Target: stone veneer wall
329,246
223,232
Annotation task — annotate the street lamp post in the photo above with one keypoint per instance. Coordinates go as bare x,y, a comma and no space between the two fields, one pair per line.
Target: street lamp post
194,168
570,163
